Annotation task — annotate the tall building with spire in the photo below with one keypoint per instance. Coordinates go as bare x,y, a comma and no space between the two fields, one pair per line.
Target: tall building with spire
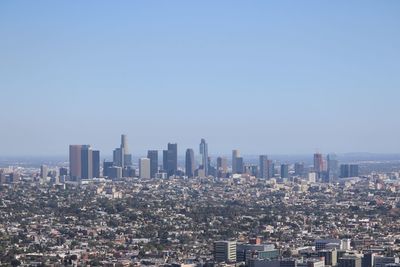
204,156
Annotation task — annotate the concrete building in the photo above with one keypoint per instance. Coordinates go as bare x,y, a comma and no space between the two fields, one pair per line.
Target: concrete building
144,168
225,251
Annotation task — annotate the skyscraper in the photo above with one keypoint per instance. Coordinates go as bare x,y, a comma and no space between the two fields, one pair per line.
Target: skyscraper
284,171
263,166
170,159
239,165
204,156
144,168
222,166
118,157
189,163
43,172
318,163
299,168
124,147
235,155
87,162
96,163
354,170
153,156
333,167
75,168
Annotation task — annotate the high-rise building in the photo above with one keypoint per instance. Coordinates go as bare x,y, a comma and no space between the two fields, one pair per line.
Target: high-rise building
204,156
75,167
239,165
333,167
144,168
354,170
87,162
119,157
266,168
170,159
349,170
263,166
222,166
96,163
344,170
115,172
284,171
225,251
153,156
189,163
106,168
318,163
235,155
299,169
127,158
43,172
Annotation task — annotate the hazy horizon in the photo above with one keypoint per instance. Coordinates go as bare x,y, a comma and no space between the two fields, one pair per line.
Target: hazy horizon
262,77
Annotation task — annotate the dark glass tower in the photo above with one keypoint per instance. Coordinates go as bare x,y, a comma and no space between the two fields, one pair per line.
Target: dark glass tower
170,159
189,163
153,156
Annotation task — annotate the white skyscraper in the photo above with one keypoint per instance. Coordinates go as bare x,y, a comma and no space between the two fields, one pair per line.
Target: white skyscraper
144,168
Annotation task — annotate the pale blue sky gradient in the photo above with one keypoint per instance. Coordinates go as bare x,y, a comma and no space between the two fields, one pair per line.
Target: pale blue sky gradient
260,76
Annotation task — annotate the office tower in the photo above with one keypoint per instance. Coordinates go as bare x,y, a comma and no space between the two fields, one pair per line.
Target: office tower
96,163
266,168
299,169
127,158
189,163
318,163
222,166
144,168
106,168
349,261
344,171
333,167
225,251
353,170
87,162
235,155
118,157
170,159
115,172
75,168
263,166
284,171
330,256
204,156
43,172
128,171
368,259
153,156
63,171
239,165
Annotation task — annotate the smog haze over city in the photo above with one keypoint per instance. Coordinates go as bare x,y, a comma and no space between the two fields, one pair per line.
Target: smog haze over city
283,77
200,133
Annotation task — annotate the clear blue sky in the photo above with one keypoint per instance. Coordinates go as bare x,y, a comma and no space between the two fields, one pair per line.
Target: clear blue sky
260,76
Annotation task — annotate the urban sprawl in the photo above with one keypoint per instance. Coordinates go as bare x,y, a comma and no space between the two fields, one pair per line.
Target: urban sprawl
203,212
